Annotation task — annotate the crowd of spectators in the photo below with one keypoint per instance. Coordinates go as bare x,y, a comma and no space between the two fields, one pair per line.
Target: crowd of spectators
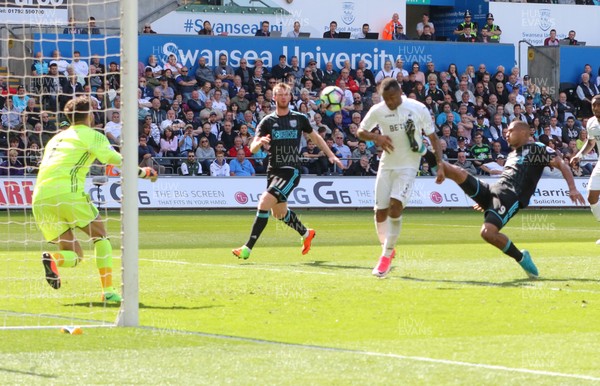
202,123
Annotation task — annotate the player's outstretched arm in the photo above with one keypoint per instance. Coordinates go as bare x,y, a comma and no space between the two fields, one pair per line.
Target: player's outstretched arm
574,195
437,148
320,142
257,142
586,148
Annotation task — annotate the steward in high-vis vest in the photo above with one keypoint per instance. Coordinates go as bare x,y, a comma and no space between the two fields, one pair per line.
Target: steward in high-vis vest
491,32
467,23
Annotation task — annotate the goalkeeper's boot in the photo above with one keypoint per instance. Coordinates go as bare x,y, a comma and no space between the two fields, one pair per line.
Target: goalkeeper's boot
242,252
384,266
52,276
414,144
528,266
110,295
306,242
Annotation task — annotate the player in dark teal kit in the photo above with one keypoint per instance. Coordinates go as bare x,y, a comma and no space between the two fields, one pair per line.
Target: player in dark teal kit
516,185
282,129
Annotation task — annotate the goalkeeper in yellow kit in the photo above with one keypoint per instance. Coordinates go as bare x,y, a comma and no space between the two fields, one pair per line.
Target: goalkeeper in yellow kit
60,202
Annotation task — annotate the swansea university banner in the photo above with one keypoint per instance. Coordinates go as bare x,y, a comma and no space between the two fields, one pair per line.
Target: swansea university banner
188,49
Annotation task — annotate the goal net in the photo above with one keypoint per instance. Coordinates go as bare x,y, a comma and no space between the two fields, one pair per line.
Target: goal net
52,51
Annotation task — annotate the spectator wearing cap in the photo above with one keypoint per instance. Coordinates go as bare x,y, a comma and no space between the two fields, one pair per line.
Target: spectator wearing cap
481,126
494,168
399,33
467,23
425,21
20,100
491,32
390,28
148,29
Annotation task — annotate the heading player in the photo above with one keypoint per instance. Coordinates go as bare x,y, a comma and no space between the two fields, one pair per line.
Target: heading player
512,191
402,122
60,202
282,129
593,129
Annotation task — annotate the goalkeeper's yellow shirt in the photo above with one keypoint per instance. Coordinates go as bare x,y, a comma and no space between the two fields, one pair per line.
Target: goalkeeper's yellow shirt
67,159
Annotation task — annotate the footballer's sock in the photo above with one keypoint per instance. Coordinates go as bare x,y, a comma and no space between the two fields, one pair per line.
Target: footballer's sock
293,222
260,222
381,228
470,186
65,258
596,210
512,251
394,227
104,262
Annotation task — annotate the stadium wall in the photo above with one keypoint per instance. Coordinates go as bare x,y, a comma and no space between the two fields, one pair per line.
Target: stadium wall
313,192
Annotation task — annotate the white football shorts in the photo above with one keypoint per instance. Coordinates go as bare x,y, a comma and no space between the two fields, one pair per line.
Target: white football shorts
396,184
594,181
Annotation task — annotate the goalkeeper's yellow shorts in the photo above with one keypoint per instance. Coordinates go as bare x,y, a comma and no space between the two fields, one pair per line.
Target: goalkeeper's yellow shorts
56,215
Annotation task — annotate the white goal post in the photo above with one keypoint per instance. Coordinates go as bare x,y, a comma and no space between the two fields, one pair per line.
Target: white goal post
26,29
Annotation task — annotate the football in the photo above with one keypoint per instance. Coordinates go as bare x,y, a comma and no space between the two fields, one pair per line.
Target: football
333,99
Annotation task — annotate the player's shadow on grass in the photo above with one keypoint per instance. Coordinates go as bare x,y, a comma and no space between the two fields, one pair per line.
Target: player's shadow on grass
512,283
145,306
30,373
323,264
142,305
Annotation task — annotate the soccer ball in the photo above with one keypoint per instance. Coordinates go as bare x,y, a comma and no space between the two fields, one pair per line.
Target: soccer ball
333,99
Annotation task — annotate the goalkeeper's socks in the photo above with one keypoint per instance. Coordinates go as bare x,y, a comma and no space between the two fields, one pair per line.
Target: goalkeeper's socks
65,258
293,222
260,222
512,251
104,261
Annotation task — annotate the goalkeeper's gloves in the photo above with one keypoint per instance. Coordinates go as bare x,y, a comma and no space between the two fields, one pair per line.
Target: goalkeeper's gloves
147,173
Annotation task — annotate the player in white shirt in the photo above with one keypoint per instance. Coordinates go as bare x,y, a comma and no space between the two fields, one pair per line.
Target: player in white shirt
402,122
593,129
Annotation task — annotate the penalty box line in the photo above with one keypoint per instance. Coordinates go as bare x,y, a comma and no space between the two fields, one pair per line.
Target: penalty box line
448,362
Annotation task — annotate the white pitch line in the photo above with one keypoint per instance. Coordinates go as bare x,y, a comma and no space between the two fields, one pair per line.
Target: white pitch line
448,362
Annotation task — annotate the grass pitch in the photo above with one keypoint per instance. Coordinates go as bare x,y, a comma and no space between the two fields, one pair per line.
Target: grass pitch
454,310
